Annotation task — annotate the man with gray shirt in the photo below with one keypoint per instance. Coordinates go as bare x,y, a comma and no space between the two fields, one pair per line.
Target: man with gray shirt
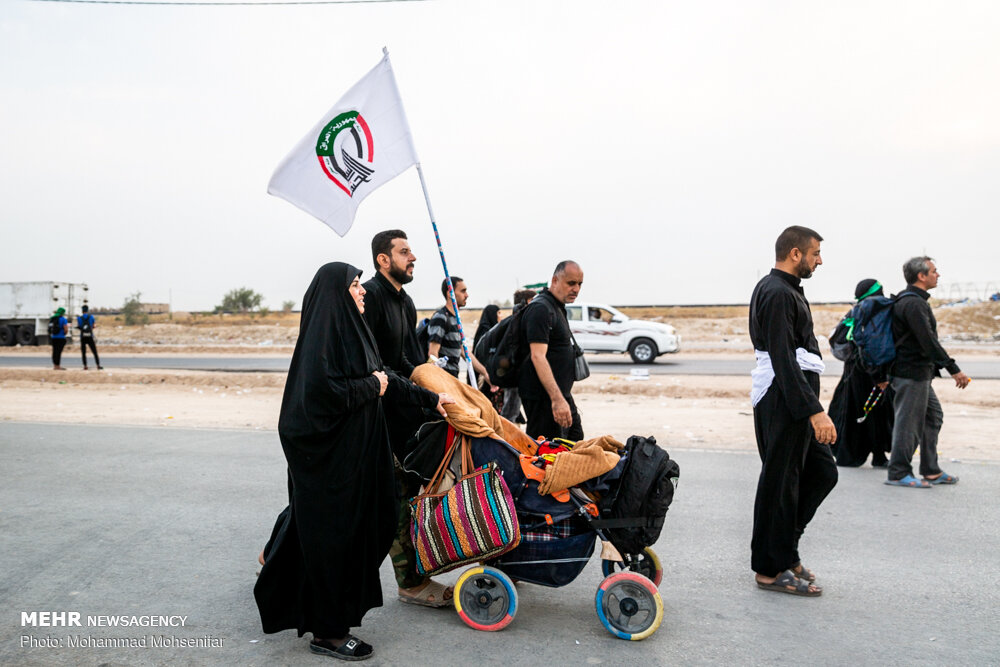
919,358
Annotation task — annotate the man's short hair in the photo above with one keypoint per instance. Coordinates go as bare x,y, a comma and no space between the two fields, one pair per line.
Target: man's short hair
914,267
794,237
524,296
85,308
561,267
455,280
382,243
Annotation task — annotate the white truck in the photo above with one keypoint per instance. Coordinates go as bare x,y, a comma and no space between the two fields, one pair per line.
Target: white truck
25,309
600,328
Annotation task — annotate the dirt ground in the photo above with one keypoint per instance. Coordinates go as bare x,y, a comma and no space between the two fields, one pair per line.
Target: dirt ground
707,412
683,412
964,328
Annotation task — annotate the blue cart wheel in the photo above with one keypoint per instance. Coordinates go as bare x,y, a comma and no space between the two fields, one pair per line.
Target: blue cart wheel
485,598
629,606
645,563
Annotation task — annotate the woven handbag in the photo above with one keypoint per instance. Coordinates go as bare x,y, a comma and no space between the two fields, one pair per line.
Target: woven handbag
473,521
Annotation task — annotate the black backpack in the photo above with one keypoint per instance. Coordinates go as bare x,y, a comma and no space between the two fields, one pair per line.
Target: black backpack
423,336
85,326
54,328
636,509
840,346
500,350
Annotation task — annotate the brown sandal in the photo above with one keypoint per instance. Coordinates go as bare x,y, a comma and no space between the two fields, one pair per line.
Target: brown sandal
432,589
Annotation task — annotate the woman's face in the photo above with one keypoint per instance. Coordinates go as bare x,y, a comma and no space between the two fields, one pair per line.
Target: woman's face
358,292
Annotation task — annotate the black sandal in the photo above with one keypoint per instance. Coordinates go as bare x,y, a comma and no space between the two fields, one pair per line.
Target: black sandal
803,572
787,582
352,649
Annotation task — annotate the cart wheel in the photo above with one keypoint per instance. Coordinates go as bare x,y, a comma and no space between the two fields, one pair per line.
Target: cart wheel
645,563
629,606
485,598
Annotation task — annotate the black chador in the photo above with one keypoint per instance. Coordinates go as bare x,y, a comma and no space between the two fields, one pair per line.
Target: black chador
855,441
797,472
322,561
872,436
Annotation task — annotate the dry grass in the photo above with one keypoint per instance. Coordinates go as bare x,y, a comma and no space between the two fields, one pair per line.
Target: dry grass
970,321
705,328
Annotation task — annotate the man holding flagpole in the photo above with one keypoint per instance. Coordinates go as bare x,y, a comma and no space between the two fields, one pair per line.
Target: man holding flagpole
363,142
392,317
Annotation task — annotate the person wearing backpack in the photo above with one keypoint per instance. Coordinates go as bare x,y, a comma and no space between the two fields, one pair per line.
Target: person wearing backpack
444,340
85,323
919,358
58,328
546,378
511,409
793,432
860,393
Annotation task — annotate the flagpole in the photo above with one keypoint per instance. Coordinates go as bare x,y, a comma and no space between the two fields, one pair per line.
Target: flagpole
451,288
444,262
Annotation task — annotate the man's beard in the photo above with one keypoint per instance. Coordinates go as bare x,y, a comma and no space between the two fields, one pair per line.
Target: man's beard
802,270
400,275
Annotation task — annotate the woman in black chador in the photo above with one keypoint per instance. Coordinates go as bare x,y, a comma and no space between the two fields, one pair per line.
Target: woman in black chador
320,572
487,320
874,435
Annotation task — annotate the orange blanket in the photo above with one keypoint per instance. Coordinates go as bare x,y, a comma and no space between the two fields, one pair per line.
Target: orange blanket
587,459
472,413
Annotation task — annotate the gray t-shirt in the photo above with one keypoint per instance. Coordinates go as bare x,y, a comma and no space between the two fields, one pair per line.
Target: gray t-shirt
443,329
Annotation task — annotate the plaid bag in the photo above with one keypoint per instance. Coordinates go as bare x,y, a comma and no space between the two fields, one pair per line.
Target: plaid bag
472,522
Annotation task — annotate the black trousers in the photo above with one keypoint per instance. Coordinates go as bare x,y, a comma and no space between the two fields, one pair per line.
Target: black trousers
797,474
84,342
538,410
57,348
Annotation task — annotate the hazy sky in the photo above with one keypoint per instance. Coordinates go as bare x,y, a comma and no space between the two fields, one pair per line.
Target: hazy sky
663,145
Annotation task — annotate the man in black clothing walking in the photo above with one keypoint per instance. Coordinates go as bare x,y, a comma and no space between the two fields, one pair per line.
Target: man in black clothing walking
919,358
547,376
392,318
793,432
389,310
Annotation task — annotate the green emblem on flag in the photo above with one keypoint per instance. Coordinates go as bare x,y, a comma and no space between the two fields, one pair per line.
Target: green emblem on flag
346,151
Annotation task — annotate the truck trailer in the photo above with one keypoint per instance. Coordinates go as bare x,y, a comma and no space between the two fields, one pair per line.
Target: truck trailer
25,309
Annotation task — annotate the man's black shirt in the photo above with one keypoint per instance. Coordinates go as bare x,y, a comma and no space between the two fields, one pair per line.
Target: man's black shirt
544,321
780,322
392,317
919,355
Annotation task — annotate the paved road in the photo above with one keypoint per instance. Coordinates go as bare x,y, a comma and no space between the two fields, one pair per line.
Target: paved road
667,365
164,521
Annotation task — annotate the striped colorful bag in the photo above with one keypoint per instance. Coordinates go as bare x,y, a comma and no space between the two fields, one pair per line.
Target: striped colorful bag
473,521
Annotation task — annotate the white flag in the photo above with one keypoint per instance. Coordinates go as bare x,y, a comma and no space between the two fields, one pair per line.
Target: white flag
361,143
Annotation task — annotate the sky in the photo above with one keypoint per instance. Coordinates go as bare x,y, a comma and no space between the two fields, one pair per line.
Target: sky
662,145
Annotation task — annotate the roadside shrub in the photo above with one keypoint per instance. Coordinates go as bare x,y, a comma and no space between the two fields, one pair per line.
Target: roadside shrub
239,300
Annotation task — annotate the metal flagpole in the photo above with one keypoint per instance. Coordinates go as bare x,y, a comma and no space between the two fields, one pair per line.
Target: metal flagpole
451,288
444,263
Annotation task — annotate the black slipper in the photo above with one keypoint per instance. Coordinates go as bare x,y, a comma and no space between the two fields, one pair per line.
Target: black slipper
352,649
